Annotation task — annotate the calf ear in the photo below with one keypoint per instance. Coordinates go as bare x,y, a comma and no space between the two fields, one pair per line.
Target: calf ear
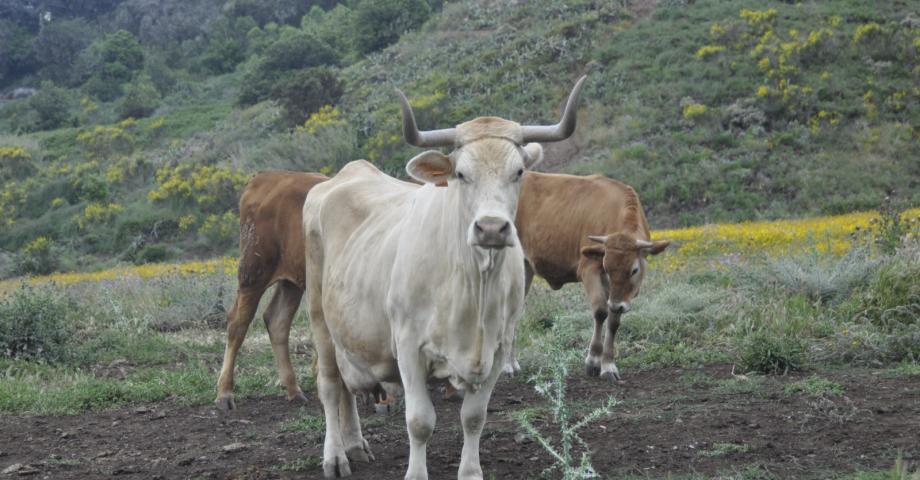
657,247
593,251
534,155
430,167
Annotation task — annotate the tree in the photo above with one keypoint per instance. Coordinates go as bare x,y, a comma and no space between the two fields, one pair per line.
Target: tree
52,104
379,23
302,92
294,50
16,57
141,98
111,62
57,46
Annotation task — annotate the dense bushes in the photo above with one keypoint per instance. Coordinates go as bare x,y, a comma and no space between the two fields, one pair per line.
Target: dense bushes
36,323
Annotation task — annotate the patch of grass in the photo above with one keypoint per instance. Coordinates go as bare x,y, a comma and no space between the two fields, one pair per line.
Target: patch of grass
303,464
720,449
696,380
766,352
306,423
904,369
739,386
814,387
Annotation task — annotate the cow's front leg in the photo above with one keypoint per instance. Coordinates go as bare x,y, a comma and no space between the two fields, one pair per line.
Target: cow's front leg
596,348
473,418
420,414
597,294
608,367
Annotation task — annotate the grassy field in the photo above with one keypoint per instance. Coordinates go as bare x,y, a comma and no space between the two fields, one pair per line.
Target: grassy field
791,306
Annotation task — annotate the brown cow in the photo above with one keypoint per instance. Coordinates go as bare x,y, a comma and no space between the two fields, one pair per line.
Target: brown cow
590,230
271,252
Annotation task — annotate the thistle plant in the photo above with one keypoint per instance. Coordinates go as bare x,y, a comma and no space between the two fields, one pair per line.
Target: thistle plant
571,454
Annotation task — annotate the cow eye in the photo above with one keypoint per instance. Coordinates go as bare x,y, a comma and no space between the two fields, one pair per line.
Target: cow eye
634,272
520,172
461,177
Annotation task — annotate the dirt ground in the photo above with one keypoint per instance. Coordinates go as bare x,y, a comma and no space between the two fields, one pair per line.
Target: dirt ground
668,422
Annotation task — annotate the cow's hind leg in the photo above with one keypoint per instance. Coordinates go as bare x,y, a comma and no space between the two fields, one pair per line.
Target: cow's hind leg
356,447
238,320
597,294
278,318
609,369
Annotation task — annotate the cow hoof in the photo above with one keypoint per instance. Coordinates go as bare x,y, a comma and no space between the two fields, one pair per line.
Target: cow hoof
337,467
360,453
299,396
592,370
612,376
225,403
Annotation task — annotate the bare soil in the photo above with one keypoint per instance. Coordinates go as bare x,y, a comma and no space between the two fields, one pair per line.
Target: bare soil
665,424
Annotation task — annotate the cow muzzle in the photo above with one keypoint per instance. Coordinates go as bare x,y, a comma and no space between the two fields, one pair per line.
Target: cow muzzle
618,308
492,232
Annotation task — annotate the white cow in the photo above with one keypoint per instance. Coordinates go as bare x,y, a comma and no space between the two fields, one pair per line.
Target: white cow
409,283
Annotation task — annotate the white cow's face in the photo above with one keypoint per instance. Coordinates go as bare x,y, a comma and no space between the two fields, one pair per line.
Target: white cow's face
485,175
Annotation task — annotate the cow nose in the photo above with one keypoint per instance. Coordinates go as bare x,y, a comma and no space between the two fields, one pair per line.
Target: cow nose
618,308
492,232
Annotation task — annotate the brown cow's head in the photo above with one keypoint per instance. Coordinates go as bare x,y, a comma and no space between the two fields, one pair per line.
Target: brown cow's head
623,258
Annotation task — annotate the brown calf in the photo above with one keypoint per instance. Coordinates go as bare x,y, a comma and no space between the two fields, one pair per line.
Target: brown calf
271,252
590,230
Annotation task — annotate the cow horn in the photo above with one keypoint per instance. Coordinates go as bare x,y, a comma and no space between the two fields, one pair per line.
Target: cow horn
432,138
598,238
643,244
561,130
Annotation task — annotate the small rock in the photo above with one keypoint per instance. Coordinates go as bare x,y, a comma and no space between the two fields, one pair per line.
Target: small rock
67,434
159,415
104,453
185,461
533,459
126,469
13,468
234,447
20,469
522,438
116,423
141,409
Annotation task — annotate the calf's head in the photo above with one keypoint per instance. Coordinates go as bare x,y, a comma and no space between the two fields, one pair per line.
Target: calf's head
485,168
623,257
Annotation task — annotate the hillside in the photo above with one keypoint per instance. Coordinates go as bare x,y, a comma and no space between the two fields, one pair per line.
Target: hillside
147,125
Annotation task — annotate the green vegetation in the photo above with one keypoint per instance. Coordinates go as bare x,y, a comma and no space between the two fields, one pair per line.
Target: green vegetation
814,387
713,110
720,449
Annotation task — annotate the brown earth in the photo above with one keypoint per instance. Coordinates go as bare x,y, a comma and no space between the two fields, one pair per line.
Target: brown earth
667,423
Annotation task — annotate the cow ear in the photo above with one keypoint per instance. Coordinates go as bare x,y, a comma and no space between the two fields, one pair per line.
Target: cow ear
653,248
534,155
430,167
593,251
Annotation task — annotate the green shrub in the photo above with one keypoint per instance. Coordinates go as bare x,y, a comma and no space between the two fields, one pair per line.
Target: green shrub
303,92
35,323
294,50
766,352
140,100
814,387
152,254
379,23
52,106
37,257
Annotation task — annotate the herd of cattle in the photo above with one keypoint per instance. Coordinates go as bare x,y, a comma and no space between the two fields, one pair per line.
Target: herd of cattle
409,282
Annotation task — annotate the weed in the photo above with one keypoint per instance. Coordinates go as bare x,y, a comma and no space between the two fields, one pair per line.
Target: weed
739,386
550,383
36,323
766,352
814,387
304,464
720,449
